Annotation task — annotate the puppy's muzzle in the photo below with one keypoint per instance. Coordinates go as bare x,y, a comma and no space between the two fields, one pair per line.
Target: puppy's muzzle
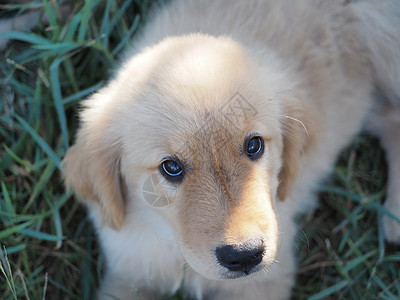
241,257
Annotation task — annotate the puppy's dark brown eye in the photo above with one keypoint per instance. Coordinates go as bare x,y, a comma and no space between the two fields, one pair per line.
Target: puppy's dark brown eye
172,170
255,147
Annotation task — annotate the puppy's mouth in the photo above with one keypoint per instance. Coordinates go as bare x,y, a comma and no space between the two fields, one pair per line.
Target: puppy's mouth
230,275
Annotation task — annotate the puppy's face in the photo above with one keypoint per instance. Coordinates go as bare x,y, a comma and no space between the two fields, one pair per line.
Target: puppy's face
214,175
199,137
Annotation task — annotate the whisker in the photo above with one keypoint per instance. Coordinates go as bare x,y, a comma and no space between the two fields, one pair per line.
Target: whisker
302,124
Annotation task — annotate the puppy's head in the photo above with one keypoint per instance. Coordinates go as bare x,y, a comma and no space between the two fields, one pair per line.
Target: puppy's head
216,128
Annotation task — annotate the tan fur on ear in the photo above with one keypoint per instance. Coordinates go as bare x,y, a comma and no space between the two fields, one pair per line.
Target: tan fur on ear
298,132
91,168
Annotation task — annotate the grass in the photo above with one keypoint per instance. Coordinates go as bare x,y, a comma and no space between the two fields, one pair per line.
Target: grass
345,255
48,247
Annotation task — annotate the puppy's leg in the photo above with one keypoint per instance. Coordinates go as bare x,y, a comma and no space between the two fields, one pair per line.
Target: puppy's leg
391,142
379,27
386,124
120,288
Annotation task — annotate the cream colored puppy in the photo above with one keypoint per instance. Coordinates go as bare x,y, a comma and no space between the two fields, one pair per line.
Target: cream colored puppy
215,131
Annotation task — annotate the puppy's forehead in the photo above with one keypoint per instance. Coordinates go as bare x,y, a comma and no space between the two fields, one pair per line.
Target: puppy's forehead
207,81
204,72
207,93
213,132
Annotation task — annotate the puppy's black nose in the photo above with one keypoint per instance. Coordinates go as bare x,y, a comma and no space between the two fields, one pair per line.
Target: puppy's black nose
242,257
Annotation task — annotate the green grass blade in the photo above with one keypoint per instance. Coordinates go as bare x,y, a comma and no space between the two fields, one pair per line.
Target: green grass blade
358,260
58,49
41,142
40,235
19,160
16,228
392,258
42,215
15,249
83,93
7,200
52,17
127,36
7,272
72,26
38,188
58,101
83,28
325,293
117,17
26,37
381,238
106,22
57,223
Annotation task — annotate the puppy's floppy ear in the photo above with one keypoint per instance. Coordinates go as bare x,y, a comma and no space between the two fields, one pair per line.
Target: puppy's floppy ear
297,125
92,165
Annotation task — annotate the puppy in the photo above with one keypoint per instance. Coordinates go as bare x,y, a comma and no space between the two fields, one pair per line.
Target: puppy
217,128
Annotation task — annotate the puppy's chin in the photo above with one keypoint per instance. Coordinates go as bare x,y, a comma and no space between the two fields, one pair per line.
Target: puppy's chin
239,275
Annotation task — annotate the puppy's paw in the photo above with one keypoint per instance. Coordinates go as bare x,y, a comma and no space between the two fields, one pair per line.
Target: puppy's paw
391,226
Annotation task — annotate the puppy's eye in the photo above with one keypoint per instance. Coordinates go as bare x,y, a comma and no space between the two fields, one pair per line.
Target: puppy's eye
171,170
255,147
